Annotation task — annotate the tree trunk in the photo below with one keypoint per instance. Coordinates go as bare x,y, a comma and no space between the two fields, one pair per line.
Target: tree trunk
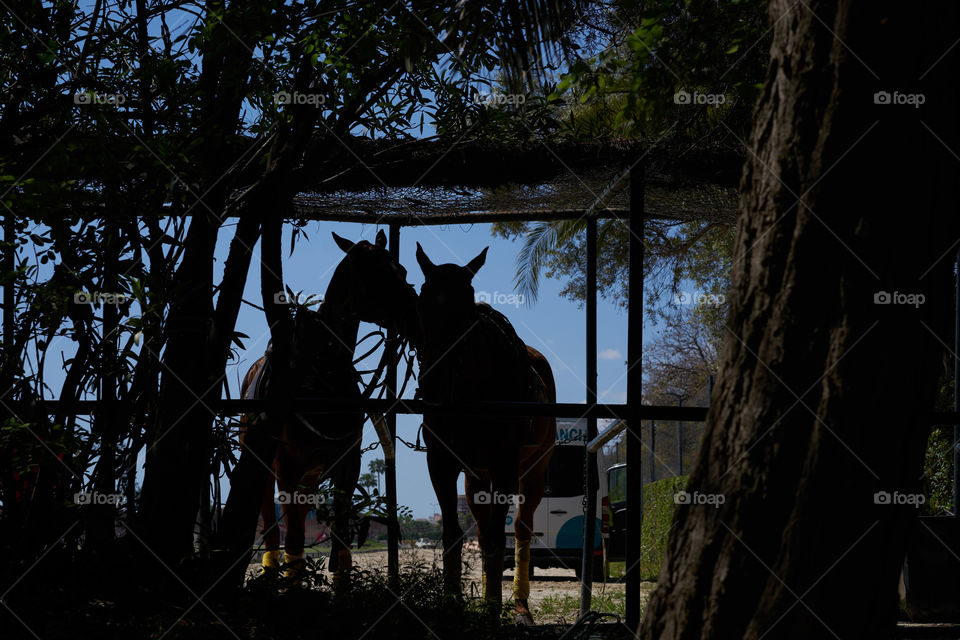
823,393
177,463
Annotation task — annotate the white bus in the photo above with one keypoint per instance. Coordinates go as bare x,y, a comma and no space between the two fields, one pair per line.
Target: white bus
558,521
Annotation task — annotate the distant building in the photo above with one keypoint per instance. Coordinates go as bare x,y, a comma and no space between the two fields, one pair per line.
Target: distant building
462,504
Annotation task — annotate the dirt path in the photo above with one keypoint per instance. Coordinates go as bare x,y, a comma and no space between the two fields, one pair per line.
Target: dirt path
554,593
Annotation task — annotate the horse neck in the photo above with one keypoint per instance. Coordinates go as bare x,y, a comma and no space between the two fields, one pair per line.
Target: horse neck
336,314
339,333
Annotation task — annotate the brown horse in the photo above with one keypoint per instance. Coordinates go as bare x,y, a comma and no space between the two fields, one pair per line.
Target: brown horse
470,352
368,285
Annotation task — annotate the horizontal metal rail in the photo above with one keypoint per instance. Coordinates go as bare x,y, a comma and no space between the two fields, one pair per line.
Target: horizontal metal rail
418,407
609,434
415,407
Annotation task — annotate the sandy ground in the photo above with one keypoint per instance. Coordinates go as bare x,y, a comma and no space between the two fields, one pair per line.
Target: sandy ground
547,583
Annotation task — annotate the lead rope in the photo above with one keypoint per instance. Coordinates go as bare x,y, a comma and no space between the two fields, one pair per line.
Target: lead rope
583,627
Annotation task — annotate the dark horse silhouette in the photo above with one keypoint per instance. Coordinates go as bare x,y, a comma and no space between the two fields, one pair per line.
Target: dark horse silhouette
470,352
367,285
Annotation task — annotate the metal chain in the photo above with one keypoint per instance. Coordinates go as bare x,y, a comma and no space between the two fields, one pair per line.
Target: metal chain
370,447
586,484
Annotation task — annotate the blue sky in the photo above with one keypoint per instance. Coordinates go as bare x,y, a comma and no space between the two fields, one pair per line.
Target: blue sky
553,324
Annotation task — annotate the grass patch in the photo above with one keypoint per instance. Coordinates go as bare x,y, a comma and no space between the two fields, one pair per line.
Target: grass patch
616,569
565,609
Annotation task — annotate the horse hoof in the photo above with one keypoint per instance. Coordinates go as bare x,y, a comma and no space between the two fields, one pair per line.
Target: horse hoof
522,613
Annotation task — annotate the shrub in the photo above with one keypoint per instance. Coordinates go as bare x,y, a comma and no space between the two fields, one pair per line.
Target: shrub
658,508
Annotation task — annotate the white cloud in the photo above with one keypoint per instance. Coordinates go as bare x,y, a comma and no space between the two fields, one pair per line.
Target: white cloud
610,354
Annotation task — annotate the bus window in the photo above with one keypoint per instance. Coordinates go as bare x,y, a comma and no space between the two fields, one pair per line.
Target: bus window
617,484
565,472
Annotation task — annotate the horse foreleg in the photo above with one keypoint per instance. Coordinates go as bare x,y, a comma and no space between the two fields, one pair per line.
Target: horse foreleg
344,484
495,540
489,509
443,476
477,486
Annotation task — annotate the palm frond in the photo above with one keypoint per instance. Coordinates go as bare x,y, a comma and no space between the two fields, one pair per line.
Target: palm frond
528,35
542,239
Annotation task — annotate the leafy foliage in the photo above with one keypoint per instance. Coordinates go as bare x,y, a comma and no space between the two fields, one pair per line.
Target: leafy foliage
130,133
658,507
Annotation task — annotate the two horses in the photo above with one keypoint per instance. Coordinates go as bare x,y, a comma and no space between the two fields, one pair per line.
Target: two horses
467,352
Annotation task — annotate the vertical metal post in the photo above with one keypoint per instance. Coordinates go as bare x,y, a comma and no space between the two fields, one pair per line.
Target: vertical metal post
653,451
680,439
390,465
956,391
634,382
590,462
9,295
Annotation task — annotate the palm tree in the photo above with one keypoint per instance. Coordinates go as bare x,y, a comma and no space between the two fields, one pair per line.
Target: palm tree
368,480
377,467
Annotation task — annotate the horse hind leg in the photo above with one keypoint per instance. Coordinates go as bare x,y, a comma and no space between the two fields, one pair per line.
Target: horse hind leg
530,495
271,532
295,516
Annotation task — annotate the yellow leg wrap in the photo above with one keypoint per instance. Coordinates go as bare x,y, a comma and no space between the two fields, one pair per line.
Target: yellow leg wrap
270,559
493,578
521,578
294,562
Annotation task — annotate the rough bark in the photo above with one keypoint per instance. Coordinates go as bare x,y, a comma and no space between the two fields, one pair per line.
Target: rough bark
822,393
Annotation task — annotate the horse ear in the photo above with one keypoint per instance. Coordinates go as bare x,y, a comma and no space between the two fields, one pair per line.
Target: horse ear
474,265
381,239
343,243
425,265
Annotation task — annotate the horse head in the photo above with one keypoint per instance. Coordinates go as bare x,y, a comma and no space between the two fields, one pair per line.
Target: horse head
447,300
373,286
